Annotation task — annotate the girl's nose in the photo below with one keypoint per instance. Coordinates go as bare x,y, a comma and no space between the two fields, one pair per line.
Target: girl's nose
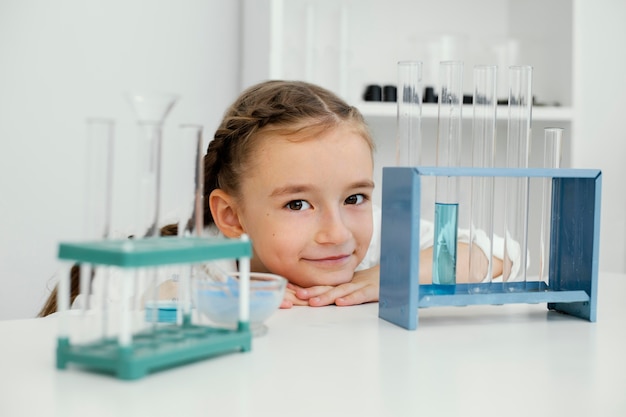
332,228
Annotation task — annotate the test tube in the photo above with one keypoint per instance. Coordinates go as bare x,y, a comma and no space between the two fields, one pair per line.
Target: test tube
190,188
244,290
482,188
553,139
99,177
516,195
191,212
409,116
446,188
98,192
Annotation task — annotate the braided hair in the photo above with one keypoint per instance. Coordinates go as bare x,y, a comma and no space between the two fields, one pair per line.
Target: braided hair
286,108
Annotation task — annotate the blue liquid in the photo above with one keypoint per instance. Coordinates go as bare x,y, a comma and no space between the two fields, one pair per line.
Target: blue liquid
444,254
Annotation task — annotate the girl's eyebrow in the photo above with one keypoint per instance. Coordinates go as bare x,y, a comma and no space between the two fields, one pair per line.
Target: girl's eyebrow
290,189
362,184
301,188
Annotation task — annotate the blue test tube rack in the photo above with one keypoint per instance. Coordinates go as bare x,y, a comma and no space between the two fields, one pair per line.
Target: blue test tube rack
574,245
132,356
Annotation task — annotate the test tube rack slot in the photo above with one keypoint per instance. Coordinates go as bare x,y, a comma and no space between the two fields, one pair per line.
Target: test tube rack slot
164,345
573,255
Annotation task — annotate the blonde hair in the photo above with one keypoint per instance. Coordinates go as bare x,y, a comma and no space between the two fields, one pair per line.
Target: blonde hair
287,108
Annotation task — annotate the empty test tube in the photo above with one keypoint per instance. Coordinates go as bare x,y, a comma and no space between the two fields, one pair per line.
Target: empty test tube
516,194
98,192
191,212
408,135
99,177
446,188
190,220
482,188
553,138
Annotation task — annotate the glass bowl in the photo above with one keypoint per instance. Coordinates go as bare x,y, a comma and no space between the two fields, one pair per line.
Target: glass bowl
218,300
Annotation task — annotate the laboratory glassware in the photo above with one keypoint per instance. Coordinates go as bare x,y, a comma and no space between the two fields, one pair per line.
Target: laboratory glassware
217,298
191,212
189,222
446,188
485,103
190,189
516,194
99,176
98,197
136,347
409,114
553,142
574,244
150,111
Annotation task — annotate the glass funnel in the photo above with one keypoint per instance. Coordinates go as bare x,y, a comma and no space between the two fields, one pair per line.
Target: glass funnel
150,111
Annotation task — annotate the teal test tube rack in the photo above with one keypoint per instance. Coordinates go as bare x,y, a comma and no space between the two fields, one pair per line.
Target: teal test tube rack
132,355
574,246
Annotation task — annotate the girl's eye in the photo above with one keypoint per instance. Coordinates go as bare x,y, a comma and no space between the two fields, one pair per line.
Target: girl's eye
355,199
298,205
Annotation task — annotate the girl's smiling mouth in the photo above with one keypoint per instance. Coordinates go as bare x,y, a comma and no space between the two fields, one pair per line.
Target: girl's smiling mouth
330,260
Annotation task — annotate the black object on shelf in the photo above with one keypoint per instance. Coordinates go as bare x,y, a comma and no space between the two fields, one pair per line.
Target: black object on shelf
429,95
390,93
373,92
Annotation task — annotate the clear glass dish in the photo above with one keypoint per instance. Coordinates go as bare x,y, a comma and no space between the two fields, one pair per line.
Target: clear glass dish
217,301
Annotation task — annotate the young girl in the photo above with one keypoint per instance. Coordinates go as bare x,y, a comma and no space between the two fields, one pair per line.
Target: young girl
291,165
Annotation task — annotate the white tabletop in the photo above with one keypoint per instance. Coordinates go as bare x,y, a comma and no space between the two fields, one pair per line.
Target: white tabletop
514,360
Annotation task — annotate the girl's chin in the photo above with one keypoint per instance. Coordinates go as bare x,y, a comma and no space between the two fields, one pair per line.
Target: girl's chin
322,279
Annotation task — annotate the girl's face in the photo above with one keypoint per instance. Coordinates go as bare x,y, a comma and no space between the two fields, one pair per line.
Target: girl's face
307,206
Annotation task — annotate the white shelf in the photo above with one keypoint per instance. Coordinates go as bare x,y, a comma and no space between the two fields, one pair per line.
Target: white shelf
429,111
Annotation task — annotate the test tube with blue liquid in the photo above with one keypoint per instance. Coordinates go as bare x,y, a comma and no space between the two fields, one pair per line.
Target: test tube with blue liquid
553,140
447,188
408,135
516,195
482,188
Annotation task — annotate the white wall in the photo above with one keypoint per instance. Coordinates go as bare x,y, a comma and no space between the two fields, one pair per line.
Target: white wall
599,128
346,44
63,61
